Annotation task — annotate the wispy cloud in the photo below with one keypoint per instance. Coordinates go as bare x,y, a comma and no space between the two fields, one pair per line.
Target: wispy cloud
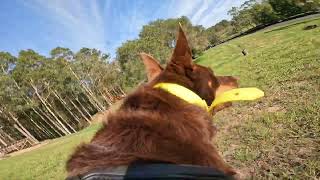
204,12
219,11
81,23
105,25
199,13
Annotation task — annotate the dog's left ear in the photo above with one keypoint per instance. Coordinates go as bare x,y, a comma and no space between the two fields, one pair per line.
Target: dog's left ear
152,66
226,83
182,53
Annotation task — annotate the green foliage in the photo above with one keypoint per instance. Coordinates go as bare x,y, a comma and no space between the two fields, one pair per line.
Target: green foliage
286,8
46,161
217,33
60,52
242,18
6,62
263,13
31,85
157,38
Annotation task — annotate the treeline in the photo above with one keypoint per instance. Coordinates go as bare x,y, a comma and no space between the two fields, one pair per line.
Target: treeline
255,13
48,97
158,37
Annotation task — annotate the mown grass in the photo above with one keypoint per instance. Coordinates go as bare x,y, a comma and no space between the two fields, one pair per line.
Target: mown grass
279,135
275,137
47,161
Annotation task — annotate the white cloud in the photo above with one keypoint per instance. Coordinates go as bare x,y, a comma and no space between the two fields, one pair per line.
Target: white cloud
204,12
219,12
183,8
79,22
106,24
200,11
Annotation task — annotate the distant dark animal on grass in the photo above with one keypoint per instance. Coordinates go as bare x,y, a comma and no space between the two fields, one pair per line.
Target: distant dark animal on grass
244,52
153,125
310,27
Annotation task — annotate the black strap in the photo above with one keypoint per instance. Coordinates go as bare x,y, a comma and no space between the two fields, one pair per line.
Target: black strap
172,171
158,171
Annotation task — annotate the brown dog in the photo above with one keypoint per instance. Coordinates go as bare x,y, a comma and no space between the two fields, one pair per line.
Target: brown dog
155,125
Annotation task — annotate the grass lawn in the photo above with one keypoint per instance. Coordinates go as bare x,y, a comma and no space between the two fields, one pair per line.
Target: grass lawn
47,161
276,137
279,136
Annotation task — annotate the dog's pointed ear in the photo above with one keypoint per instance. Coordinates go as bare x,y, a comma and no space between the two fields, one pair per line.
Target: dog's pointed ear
226,83
152,66
182,52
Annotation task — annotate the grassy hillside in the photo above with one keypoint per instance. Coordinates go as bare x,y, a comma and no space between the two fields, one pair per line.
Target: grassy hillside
45,162
278,136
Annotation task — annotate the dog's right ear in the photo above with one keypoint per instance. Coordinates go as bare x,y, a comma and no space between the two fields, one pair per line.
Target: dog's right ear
152,66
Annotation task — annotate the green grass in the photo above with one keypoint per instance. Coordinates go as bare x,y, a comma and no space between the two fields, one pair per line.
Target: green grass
279,135
47,161
275,137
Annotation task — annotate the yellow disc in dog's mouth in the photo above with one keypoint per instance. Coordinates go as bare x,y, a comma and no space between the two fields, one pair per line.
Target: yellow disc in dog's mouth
239,94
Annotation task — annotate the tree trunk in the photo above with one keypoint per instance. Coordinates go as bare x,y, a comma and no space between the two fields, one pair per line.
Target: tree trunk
43,119
85,110
110,96
52,121
107,97
65,105
75,106
59,116
27,133
92,97
2,141
5,135
28,101
45,126
65,129
107,100
44,133
122,92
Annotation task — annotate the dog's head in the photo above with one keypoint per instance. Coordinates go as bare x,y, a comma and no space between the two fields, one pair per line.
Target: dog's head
181,70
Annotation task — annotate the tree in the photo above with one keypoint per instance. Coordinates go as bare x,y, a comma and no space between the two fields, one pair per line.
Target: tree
157,38
62,53
7,62
47,97
220,31
263,13
286,8
242,18
309,5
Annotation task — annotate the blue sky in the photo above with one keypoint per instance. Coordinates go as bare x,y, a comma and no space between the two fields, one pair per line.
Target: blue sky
104,24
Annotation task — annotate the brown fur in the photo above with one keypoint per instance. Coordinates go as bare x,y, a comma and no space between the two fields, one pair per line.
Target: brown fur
154,125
